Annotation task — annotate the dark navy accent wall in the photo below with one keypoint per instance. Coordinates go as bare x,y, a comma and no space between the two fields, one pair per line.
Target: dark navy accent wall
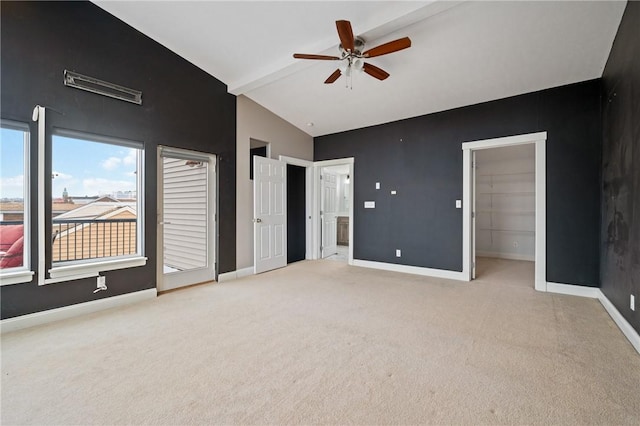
182,107
421,158
620,258
296,214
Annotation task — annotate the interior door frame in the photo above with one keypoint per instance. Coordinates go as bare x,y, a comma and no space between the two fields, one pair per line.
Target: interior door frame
312,199
540,140
212,177
316,219
308,191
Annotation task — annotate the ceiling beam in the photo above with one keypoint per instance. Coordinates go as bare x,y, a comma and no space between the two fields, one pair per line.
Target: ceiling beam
372,30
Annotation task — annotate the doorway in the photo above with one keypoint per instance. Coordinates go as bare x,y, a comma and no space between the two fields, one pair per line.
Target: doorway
296,213
471,220
504,206
186,213
335,211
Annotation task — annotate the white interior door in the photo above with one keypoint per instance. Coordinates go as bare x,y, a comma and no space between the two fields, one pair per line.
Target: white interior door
474,168
328,210
186,217
269,214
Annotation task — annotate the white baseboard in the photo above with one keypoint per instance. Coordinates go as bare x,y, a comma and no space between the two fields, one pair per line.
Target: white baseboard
229,276
245,272
595,293
574,290
51,315
508,256
624,326
428,272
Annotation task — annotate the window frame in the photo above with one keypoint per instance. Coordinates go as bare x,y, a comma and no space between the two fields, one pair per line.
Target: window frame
22,274
91,267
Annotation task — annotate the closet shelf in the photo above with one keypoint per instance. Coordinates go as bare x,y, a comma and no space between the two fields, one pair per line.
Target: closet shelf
506,174
508,193
513,212
514,231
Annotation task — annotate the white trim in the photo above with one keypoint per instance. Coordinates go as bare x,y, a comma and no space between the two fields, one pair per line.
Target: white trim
228,276
506,141
295,161
245,272
39,116
84,270
234,275
16,277
629,332
45,317
509,256
416,270
574,290
467,220
539,139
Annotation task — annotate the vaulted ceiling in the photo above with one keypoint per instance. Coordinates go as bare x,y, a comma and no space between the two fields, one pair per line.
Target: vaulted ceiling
463,52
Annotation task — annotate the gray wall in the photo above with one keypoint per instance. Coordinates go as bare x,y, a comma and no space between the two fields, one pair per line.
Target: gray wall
421,158
620,256
256,122
182,107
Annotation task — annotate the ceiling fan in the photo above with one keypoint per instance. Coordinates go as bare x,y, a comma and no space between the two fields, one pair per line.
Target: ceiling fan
353,56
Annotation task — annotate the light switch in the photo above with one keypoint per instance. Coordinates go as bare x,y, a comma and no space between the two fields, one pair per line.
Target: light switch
393,192
398,253
377,185
458,204
369,204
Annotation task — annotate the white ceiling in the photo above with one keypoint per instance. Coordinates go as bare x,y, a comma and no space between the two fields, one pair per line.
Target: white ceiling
462,53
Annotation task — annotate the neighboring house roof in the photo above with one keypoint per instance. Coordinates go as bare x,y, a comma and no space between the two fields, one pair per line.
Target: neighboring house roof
97,210
11,207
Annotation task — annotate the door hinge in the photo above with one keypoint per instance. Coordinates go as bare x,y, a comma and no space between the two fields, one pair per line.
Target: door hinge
473,214
321,177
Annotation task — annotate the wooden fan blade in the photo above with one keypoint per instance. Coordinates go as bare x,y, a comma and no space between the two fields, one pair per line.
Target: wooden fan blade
333,77
375,72
392,46
346,35
321,57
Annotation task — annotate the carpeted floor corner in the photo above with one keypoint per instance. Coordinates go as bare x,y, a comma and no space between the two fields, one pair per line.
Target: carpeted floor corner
321,342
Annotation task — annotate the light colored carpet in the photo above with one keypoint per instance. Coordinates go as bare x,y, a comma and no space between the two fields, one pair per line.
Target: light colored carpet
321,342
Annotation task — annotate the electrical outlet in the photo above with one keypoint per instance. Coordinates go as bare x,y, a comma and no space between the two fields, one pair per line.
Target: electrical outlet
377,185
101,281
515,244
632,302
398,253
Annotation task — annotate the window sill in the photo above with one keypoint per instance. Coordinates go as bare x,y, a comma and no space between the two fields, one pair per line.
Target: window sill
74,272
16,277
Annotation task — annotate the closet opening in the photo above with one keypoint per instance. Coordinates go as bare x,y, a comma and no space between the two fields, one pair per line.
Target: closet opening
505,214
504,205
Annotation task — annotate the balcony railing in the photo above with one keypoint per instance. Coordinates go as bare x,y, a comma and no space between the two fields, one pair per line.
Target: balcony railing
78,239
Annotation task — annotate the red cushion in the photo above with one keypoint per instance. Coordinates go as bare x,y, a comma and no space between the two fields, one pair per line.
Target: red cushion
13,257
9,234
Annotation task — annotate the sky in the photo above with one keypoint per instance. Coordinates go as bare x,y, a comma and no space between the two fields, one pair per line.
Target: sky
84,168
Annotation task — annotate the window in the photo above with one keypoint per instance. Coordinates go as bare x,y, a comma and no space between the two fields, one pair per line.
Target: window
96,204
14,203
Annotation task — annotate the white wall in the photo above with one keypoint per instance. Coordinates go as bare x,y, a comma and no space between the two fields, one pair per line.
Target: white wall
256,122
505,202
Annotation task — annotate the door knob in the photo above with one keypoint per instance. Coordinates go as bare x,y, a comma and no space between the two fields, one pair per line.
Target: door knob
258,220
